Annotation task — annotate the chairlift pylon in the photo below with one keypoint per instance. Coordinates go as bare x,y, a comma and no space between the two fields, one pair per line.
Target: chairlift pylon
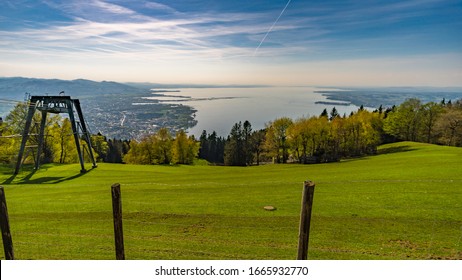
55,104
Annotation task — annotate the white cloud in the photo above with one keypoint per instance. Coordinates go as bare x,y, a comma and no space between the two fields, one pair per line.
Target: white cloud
159,6
111,8
114,42
176,38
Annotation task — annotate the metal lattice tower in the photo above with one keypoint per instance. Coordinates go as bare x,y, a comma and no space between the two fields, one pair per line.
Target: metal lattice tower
56,105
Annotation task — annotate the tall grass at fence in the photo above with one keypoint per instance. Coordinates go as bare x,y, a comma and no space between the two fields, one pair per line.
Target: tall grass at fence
405,203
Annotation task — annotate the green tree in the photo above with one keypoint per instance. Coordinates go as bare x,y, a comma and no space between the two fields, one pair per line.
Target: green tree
247,142
333,114
162,143
161,148
405,121
117,149
204,146
366,136
149,150
185,149
64,148
234,147
319,137
300,134
337,134
100,145
9,144
430,112
257,144
211,147
276,139
449,126
140,153
16,120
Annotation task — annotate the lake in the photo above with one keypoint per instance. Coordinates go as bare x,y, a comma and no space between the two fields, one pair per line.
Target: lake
218,109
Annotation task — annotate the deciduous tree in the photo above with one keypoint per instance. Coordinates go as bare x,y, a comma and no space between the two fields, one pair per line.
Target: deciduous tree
184,149
276,138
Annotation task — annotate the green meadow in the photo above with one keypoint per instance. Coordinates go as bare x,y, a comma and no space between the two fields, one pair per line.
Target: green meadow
404,203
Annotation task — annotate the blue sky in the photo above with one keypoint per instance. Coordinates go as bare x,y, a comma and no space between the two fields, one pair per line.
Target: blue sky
341,43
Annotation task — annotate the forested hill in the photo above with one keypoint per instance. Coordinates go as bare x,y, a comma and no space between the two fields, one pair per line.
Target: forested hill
15,88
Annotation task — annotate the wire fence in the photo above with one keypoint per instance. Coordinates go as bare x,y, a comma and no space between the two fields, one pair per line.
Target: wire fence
390,225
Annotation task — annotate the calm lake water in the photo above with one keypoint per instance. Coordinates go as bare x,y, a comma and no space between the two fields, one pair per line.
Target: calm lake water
218,109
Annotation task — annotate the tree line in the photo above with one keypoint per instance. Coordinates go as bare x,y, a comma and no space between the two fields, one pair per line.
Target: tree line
331,137
324,138
436,123
162,148
304,140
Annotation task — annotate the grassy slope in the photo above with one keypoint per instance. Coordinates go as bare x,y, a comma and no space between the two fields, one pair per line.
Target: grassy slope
404,203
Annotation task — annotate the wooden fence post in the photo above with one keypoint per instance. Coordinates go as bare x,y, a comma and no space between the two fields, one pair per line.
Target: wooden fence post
117,213
5,226
305,220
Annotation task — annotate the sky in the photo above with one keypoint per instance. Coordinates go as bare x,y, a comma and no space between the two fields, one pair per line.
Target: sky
270,42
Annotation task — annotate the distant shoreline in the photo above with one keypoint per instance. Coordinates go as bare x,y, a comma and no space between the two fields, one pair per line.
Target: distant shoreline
164,90
337,103
387,97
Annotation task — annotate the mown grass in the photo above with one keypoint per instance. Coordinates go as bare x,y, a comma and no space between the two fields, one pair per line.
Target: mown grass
405,203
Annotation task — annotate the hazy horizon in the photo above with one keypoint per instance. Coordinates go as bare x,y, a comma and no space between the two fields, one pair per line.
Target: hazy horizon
277,42
179,85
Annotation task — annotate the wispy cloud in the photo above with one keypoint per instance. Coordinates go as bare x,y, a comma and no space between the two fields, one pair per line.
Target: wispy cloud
159,6
111,8
148,32
97,25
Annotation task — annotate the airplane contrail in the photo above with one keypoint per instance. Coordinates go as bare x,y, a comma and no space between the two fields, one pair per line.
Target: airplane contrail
271,28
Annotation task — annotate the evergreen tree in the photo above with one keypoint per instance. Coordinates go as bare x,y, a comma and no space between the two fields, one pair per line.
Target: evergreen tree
247,142
117,149
211,147
257,144
213,155
333,114
204,146
234,147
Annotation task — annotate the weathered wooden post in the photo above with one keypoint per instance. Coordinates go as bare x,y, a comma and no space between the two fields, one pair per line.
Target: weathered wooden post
5,226
117,213
305,220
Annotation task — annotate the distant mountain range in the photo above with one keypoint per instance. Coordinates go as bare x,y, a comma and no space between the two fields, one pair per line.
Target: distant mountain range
14,88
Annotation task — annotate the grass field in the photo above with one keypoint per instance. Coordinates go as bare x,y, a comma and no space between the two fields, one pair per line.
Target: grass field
405,203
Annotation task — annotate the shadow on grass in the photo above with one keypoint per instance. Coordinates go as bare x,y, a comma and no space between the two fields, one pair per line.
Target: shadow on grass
398,149
42,180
